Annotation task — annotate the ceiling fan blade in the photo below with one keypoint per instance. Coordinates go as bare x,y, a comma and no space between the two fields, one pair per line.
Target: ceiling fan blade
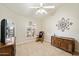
34,7
48,6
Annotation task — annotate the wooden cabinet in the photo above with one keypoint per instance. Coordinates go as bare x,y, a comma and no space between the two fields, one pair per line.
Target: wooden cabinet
7,50
64,43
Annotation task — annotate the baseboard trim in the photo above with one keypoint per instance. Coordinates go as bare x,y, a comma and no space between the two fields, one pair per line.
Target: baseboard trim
47,41
27,41
24,42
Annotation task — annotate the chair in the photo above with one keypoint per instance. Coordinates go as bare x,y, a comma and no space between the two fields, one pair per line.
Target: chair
40,37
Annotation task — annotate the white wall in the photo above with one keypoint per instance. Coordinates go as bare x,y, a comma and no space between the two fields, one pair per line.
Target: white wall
20,22
67,11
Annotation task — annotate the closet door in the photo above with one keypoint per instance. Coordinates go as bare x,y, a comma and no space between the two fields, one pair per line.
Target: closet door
3,30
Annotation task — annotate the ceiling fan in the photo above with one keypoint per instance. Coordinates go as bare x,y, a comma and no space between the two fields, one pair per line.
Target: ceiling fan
41,9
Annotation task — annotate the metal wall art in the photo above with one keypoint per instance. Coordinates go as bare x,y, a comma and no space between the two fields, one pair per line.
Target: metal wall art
64,24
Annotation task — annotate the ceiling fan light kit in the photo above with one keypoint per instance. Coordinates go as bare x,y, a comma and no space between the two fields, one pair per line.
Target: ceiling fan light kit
41,12
41,9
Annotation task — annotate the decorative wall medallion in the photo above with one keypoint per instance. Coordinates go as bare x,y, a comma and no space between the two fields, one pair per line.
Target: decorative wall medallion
64,24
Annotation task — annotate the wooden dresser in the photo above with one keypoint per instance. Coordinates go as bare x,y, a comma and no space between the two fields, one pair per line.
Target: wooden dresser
65,43
7,50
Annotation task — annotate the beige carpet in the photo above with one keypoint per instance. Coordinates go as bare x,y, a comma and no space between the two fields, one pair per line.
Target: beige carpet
39,49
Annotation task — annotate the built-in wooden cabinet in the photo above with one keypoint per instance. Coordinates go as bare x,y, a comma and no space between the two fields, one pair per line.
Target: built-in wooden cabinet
64,43
7,50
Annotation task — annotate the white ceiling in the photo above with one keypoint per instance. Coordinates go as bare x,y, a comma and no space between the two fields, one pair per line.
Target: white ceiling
24,10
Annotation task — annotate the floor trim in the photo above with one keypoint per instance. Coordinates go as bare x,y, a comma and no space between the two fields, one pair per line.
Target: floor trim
24,42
